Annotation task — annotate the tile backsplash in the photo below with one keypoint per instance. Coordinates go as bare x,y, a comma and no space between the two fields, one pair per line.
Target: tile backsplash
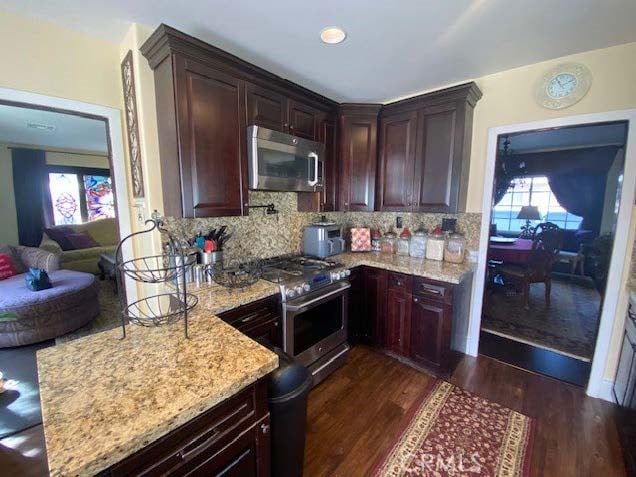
261,235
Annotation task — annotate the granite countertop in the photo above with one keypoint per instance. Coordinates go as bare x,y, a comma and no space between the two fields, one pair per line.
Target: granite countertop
217,299
434,270
104,398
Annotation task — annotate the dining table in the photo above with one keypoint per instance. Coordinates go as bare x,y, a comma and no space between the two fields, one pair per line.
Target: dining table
518,252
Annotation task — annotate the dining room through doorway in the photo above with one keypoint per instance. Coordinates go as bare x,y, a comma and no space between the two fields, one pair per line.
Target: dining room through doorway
553,220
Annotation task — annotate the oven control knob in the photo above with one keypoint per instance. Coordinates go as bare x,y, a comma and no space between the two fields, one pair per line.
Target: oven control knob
347,272
335,275
298,290
306,287
291,293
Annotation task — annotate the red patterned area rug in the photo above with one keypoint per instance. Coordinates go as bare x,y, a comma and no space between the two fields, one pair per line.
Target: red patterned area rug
454,433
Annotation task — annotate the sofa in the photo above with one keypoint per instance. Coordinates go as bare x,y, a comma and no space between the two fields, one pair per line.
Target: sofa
28,317
104,232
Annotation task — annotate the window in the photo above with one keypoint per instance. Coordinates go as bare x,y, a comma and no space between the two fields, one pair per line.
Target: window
78,197
531,191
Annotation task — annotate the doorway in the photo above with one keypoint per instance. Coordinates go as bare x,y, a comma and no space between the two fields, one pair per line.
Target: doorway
552,224
614,298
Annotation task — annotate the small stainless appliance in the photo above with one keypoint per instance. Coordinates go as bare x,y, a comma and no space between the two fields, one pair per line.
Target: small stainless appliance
314,296
323,239
282,162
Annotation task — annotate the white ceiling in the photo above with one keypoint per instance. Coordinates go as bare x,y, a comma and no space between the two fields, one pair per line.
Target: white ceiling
68,131
393,48
609,134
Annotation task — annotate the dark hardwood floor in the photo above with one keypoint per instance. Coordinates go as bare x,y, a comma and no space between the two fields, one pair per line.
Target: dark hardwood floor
356,414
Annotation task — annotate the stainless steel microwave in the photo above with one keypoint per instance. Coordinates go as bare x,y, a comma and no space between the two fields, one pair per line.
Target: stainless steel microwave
282,162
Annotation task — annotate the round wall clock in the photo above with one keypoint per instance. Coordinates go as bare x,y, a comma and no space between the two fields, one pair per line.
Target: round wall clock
563,86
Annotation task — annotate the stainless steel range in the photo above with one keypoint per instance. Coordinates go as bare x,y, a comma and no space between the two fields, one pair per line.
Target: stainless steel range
314,301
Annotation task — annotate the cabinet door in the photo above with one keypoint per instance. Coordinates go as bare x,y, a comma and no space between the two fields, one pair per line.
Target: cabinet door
430,332
265,108
437,175
398,321
303,120
357,148
357,318
328,136
212,141
397,161
375,306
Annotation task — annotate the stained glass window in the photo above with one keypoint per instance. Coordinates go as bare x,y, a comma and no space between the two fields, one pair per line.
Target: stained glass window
100,203
65,198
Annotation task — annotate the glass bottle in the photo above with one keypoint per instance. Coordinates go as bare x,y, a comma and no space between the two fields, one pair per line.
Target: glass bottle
418,244
403,243
455,249
435,245
388,243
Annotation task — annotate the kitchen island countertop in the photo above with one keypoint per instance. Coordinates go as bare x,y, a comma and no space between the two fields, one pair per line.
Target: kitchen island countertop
104,398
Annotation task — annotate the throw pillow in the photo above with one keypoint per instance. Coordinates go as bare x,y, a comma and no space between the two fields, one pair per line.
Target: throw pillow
14,258
59,234
6,267
81,240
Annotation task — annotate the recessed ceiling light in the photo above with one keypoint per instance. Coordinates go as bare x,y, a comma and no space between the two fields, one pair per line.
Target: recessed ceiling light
332,35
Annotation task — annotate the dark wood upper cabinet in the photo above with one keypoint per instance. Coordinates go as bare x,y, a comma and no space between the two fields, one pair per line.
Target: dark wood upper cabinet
205,99
303,120
266,108
438,168
397,143
212,141
424,153
357,150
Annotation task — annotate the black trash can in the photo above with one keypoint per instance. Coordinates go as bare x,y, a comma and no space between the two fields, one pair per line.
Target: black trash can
289,387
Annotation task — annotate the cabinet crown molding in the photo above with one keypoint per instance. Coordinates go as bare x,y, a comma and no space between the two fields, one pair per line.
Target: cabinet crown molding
166,40
467,92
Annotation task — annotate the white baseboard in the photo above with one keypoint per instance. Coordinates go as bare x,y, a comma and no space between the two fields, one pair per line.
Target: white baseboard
604,391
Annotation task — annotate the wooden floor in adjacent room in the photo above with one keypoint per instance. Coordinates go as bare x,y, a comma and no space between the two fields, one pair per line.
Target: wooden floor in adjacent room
358,412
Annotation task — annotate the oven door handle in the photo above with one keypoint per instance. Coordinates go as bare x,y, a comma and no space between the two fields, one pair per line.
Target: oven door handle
318,298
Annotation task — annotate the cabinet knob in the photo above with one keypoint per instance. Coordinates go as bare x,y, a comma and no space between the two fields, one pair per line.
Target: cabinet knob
347,204
286,125
416,300
264,428
398,283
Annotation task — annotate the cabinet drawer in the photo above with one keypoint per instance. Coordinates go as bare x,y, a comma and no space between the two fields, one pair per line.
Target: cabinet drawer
252,314
399,281
432,290
209,432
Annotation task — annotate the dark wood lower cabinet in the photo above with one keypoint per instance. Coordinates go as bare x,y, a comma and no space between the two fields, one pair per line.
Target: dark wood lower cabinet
356,325
374,328
430,332
411,317
398,321
231,439
259,320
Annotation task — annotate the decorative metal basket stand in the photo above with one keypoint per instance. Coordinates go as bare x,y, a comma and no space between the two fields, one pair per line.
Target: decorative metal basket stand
171,266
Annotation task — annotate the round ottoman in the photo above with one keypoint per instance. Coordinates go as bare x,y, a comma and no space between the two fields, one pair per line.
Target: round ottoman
29,317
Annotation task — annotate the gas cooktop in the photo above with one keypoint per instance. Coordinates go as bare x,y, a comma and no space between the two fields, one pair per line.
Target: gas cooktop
297,275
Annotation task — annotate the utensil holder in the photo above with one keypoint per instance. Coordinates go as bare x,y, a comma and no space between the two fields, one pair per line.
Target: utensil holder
209,258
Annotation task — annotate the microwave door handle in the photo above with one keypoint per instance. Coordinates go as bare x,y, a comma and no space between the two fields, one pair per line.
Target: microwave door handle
314,156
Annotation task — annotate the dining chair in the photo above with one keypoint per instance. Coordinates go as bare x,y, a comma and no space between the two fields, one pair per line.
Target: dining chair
545,249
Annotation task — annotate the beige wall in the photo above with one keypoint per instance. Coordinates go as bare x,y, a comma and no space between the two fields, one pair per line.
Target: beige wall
509,99
61,158
44,58
47,59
